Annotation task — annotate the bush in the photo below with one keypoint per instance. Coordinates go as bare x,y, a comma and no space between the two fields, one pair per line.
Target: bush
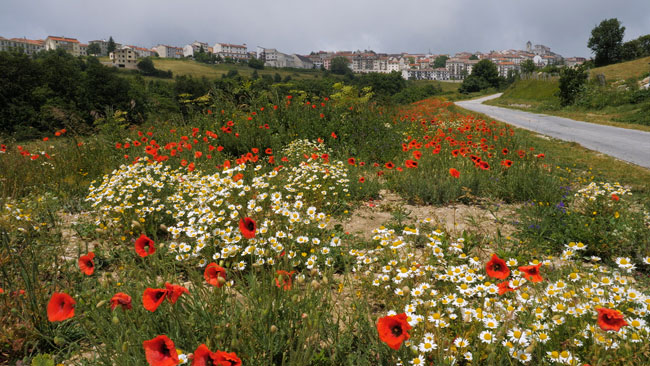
572,82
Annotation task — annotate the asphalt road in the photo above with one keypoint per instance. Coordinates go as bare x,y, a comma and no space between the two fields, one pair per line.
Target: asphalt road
628,145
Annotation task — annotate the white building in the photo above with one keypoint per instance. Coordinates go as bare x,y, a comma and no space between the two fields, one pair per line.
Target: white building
195,47
233,51
125,57
165,51
70,45
103,46
28,46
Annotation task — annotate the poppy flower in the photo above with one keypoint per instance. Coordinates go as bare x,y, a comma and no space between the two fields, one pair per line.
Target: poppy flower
532,273
121,299
334,135
60,307
86,263
389,165
227,359
610,319
393,330
507,163
497,268
352,161
615,197
174,292
504,287
153,297
504,151
144,246
454,173
411,163
484,165
212,274
204,357
362,180
160,351
287,281
247,226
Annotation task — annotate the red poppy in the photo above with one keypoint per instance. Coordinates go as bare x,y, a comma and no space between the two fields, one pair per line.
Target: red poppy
454,173
153,297
389,165
204,357
122,300
540,156
334,135
362,180
393,330
507,163
532,273
505,287
237,177
352,161
411,164
160,351
60,307
610,319
504,151
247,226
144,246
287,281
417,154
212,274
484,165
227,359
497,268
615,197
86,263
174,292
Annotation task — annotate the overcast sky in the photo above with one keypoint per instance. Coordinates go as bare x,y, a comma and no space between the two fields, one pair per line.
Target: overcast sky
301,26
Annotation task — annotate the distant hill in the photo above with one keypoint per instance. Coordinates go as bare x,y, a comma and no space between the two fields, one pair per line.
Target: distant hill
624,70
198,69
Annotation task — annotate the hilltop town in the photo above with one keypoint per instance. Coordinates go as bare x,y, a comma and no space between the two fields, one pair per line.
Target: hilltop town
412,66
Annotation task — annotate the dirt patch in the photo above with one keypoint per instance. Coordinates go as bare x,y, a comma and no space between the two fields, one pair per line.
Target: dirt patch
453,218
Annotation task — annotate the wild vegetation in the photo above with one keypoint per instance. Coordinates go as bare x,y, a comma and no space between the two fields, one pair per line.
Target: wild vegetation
216,230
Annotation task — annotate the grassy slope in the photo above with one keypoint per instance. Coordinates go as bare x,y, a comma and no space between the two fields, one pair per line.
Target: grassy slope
197,69
624,70
539,96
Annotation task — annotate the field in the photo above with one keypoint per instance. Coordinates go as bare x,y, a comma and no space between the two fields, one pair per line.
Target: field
305,230
624,70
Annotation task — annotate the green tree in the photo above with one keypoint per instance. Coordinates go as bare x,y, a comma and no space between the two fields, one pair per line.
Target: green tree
111,44
146,66
440,61
606,41
473,57
255,63
277,78
94,49
339,65
487,70
572,82
527,67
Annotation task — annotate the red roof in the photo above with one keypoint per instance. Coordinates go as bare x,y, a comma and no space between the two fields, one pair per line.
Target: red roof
38,42
62,39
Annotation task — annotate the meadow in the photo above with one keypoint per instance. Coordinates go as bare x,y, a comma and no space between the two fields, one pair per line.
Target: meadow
235,236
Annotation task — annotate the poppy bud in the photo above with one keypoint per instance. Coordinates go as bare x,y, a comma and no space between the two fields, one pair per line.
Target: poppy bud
300,280
100,304
115,320
163,227
314,272
325,280
304,316
59,341
125,347
406,289
135,224
315,284
273,329
221,280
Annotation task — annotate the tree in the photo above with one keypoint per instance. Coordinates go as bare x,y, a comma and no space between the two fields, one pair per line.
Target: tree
339,65
256,63
606,41
94,49
473,57
111,44
440,61
572,81
528,67
487,70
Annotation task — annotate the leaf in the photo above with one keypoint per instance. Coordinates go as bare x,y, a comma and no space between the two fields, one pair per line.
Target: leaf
43,360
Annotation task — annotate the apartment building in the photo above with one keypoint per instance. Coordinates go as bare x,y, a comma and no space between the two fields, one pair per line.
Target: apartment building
165,51
70,45
233,51
124,57
28,46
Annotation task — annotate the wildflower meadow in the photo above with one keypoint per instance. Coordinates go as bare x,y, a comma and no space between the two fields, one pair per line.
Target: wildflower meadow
223,237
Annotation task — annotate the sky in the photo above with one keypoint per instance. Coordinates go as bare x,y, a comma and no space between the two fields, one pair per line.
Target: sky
293,26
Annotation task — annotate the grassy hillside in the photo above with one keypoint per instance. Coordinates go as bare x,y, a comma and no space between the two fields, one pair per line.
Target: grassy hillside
197,69
625,70
537,91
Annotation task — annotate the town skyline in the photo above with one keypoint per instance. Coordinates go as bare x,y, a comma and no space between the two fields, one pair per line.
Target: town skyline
438,27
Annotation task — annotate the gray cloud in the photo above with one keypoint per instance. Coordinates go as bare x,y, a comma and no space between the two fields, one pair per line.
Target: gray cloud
303,26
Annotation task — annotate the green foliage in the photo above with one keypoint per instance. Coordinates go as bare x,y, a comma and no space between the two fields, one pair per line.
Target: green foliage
572,82
111,45
528,66
606,41
484,75
414,93
147,68
94,49
473,57
339,66
383,85
256,64
440,61
43,360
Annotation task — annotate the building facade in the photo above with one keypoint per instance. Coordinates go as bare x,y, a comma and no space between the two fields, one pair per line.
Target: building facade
70,45
124,57
28,46
165,51
233,51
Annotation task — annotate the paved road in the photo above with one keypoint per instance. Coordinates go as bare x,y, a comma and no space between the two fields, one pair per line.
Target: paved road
629,145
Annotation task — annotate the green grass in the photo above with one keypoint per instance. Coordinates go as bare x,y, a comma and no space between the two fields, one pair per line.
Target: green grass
198,70
533,91
625,70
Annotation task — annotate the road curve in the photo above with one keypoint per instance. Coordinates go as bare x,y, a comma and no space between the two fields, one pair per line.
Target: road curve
628,145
